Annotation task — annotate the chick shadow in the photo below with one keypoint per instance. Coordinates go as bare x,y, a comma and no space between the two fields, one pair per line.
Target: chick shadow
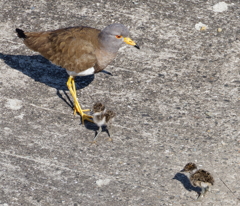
42,70
95,128
186,183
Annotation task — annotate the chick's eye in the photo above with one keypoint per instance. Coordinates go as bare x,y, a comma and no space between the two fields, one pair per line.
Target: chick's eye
118,36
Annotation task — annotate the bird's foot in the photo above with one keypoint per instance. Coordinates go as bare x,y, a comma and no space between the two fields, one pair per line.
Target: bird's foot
86,117
110,139
83,115
200,195
86,110
94,142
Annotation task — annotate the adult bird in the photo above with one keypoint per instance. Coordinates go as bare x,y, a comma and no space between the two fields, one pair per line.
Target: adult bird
80,50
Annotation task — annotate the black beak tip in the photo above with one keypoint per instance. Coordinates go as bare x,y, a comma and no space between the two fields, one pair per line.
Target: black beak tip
137,46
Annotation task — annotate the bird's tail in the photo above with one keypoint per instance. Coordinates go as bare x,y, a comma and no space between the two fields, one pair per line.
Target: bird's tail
37,41
21,33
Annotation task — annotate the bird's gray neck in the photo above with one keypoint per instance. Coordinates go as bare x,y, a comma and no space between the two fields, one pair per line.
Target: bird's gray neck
104,58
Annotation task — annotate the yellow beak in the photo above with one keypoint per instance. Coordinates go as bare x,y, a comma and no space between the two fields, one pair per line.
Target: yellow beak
129,41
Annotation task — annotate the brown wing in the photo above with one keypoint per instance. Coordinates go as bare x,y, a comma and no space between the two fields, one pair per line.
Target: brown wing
71,48
109,115
202,176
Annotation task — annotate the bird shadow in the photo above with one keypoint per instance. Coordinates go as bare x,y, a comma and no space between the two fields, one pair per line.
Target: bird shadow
42,70
94,127
186,183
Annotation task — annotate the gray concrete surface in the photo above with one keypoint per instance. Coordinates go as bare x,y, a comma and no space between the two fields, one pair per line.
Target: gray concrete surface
177,100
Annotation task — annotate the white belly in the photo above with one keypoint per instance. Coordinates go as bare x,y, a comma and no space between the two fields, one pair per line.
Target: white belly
87,72
97,119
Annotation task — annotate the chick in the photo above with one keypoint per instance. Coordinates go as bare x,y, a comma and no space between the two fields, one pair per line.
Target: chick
199,178
102,117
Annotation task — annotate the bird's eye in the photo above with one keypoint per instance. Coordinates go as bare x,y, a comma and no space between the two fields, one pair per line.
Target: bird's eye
118,36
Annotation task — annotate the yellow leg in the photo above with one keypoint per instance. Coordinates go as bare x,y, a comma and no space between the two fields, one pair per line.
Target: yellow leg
77,108
73,85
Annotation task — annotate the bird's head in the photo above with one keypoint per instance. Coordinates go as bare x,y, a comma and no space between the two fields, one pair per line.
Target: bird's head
189,167
114,35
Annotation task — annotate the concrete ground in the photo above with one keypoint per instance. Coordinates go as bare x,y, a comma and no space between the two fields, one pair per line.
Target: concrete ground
177,101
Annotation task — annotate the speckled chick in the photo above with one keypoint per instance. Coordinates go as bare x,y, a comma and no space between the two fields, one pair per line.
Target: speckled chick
199,178
102,117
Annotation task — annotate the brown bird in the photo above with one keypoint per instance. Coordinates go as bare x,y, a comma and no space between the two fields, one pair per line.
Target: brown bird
199,178
102,117
80,50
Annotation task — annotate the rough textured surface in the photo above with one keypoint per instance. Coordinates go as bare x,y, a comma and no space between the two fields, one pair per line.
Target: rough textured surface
177,101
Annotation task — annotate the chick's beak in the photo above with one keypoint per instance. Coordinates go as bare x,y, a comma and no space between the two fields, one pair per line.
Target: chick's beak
129,41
